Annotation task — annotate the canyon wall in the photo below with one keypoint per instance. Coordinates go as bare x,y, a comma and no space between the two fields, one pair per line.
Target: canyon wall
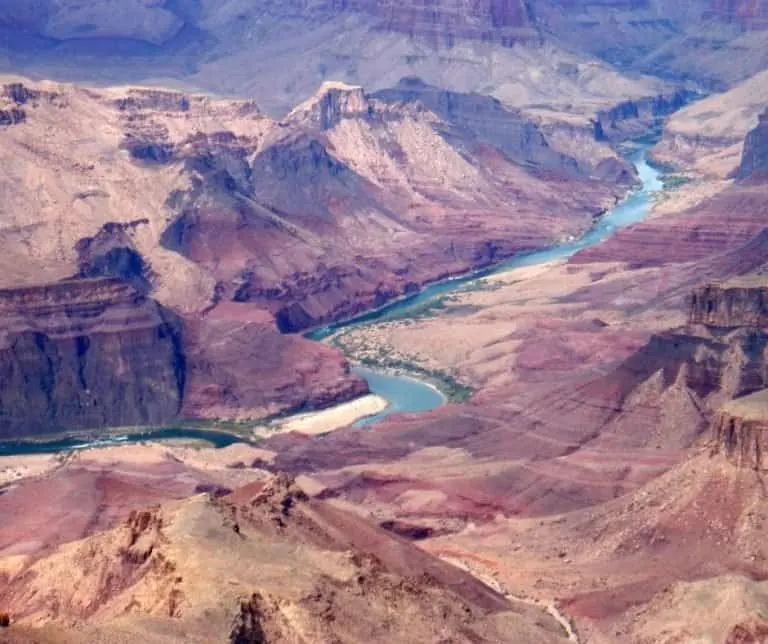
754,159
634,118
83,354
98,353
731,304
740,431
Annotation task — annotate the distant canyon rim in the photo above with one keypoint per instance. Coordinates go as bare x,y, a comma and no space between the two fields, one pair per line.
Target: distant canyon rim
188,186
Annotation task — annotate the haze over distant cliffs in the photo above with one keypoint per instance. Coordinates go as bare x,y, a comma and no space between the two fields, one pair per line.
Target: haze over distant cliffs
521,52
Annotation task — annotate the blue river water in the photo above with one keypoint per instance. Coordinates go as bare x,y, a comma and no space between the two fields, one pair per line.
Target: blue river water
630,211
410,395
404,394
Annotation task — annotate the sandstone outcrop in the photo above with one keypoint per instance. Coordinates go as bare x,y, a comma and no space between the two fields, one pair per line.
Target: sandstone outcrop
740,430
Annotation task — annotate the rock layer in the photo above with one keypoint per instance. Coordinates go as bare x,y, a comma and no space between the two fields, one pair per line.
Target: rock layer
85,354
731,304
741,431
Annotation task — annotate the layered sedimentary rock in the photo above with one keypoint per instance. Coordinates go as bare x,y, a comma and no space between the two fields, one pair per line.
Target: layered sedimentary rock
740,430
737,302
86,354
447,22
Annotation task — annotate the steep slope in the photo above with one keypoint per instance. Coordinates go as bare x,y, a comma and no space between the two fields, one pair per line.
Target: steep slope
90,353
265,564
708,136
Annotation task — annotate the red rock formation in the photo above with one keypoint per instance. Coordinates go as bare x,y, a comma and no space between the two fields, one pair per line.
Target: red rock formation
740,431
735,303
86,354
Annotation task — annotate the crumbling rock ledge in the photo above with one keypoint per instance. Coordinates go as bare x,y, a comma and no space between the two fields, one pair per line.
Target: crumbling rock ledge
741,430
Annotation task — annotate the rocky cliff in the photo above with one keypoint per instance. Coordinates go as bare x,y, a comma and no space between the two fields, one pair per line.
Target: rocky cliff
738,302
86,354
740,430
98,353
634,118
754,159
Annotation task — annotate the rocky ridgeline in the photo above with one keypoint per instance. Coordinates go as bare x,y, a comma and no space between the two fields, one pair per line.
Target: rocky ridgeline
86,354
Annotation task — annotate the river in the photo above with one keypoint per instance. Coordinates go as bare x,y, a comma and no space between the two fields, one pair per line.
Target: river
404,393
407,394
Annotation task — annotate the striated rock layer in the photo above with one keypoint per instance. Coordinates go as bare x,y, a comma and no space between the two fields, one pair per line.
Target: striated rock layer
738,302
83,354
741,430
97,353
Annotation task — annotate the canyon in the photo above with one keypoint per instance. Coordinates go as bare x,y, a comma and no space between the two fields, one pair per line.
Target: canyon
248,229
223,177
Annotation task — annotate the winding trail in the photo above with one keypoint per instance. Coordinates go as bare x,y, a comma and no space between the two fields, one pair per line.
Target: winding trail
549,606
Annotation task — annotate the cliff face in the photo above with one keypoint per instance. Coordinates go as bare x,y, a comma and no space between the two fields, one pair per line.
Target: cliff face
633,118
754,160
97,353
86,354
731,304
740,431
447,21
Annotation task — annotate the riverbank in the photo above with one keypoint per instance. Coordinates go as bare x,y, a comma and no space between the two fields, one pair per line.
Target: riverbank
326,420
